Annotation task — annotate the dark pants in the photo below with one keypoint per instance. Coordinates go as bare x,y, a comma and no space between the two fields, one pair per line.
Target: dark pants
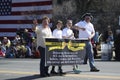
43,68
59,68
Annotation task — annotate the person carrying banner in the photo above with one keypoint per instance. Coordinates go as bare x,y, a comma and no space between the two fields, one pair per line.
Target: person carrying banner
86,31
57,33
43,31
67,33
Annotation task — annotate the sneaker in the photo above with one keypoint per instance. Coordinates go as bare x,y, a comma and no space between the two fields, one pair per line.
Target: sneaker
60,72
94,70
76,70
53,72
48,75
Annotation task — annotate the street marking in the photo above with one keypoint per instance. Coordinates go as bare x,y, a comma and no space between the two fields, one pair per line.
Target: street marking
17,72
67,75
93,76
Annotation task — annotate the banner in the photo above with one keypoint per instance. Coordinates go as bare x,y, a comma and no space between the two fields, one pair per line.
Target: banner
64,51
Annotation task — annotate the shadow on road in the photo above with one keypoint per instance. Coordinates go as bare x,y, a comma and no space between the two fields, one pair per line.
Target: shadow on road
37,76
32,77
99,60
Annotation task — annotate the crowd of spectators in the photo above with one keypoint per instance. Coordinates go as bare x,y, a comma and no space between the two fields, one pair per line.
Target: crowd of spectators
22,46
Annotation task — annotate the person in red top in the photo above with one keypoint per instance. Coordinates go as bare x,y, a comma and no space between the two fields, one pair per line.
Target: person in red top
1,53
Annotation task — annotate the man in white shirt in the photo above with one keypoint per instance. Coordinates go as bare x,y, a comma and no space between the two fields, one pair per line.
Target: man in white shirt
86,30
43,31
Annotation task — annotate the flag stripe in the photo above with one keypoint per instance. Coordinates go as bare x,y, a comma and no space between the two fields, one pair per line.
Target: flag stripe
17,26
10,34
8,30
23,17
32,8
32,4
36,12
6,26
19,1
12,29
18,21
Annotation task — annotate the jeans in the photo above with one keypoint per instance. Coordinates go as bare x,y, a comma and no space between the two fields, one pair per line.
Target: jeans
89,54
43,68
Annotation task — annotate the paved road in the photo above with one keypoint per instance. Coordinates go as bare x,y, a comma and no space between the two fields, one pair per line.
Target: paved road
28,69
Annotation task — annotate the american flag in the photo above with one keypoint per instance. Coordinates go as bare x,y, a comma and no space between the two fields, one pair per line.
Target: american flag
18,14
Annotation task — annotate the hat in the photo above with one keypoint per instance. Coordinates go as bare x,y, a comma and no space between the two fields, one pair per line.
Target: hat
87,14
